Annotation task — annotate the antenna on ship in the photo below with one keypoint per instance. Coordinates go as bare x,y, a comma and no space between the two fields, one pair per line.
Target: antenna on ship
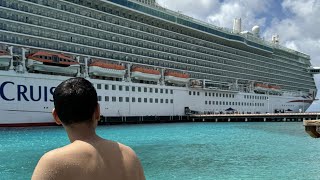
276,39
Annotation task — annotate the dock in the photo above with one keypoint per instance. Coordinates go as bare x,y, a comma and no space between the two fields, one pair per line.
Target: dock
274,117
312,127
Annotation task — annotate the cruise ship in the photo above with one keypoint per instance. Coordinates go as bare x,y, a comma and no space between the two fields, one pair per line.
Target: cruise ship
144,61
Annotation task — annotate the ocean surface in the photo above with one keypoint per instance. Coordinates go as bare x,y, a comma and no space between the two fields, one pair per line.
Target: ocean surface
184,151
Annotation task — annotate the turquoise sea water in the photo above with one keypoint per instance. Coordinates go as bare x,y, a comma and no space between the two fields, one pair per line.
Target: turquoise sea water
184,151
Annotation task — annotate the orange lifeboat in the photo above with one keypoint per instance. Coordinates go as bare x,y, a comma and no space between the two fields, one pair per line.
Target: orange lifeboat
274,88
261,87
176,77
145,73
52,62
106,69
5,58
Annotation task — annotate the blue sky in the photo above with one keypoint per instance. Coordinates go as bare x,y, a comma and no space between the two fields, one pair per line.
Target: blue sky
297,22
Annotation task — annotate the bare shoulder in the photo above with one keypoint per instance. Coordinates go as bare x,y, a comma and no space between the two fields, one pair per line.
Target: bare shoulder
48,166
53,164
127,151
132,162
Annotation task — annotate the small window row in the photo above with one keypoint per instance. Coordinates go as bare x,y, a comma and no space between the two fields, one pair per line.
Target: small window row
134,89
194,93
233,103
219,95
256,97
135,99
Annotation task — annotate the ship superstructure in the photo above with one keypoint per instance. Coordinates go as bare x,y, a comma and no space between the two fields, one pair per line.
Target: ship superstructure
141,58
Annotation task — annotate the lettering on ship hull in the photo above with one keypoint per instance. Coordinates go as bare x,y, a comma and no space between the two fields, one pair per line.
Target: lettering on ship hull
10,91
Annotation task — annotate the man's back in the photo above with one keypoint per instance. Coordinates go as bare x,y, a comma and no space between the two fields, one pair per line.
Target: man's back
92,159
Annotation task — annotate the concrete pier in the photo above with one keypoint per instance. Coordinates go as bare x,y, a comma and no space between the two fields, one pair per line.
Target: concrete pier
283,117
312,127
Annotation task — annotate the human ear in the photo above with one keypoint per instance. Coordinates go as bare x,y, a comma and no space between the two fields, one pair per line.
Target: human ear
55,116
97,112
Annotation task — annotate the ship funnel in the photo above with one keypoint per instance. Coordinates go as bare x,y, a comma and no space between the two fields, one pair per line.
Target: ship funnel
237,25
275,39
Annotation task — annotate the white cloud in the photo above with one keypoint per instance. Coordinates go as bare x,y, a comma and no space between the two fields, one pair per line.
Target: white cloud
247,10
199,9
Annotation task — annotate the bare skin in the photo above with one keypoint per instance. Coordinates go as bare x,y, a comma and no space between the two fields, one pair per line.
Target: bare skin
88,157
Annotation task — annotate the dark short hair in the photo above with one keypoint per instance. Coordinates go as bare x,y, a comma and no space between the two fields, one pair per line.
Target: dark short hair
75,101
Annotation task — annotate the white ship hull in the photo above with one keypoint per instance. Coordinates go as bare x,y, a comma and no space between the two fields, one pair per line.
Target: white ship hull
98,71
5,60
27,99
39,66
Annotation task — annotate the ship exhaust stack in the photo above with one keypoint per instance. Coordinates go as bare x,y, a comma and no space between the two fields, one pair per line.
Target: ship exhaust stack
237,25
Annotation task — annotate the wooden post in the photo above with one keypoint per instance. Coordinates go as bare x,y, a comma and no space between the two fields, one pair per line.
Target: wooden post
311,127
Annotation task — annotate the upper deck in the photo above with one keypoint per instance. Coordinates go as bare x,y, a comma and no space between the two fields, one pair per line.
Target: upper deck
154,9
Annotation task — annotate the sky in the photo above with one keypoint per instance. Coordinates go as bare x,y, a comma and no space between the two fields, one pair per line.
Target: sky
297,22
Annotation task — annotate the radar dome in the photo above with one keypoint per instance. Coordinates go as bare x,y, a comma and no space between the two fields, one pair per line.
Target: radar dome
256,30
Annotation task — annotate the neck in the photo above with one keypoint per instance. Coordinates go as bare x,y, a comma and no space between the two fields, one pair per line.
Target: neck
81,132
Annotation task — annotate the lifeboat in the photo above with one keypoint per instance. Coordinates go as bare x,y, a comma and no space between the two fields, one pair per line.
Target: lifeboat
145,73
5,58
52,62
106,69
275,89
176,77
261,87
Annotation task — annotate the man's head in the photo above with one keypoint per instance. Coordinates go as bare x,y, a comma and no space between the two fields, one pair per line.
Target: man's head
75,101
